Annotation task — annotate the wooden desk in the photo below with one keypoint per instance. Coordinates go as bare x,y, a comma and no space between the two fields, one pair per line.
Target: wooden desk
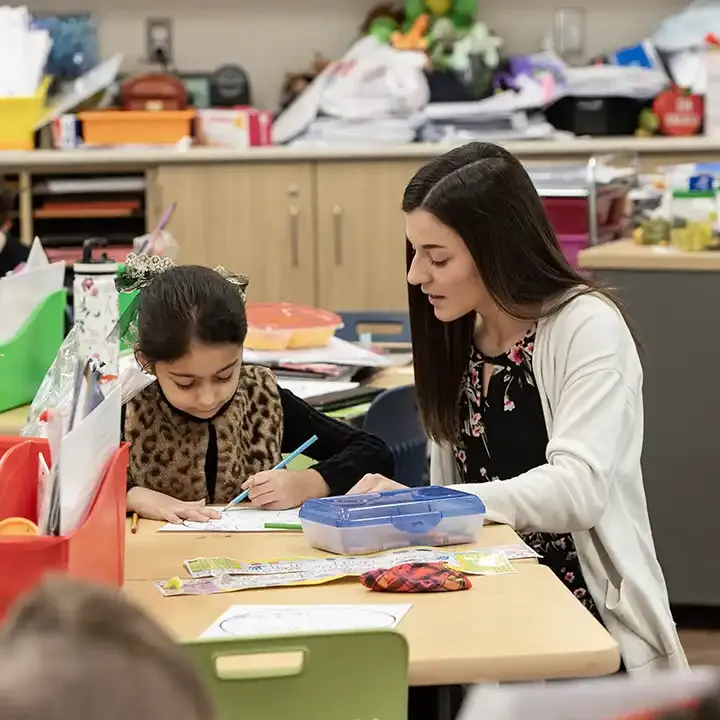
525,626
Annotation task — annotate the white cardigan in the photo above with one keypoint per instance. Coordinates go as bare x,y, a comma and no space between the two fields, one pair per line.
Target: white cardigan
589,378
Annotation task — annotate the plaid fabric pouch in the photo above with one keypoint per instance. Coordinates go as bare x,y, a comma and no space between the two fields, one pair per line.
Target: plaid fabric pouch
416,578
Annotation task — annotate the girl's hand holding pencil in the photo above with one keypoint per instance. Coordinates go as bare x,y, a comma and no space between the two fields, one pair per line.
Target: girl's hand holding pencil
280,489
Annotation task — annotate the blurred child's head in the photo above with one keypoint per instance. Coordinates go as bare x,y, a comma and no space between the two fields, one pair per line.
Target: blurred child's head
191,328
76,652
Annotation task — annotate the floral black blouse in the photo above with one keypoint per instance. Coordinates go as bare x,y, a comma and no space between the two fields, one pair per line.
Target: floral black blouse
504,435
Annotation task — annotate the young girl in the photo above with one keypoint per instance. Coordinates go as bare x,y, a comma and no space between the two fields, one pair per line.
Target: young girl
529,382
211,427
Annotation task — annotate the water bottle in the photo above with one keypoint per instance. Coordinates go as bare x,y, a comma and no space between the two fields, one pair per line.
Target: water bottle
95,304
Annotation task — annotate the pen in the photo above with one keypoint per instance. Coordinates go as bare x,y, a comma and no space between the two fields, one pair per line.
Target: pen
134,523
279,466
283,526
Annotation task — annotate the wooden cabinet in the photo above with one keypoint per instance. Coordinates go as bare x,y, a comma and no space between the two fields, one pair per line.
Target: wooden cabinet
252,218
360,234
329,234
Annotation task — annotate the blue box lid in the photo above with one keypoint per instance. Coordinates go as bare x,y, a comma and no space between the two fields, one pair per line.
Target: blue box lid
414,510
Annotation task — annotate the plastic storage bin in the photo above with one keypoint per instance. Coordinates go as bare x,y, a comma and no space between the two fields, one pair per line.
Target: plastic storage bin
136,127
283,326
25,359
360,524
94,552
18,118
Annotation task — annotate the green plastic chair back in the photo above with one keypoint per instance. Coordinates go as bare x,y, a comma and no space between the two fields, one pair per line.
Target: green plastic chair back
331,676
26,358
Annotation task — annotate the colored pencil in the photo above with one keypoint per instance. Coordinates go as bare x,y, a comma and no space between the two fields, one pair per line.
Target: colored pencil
279,466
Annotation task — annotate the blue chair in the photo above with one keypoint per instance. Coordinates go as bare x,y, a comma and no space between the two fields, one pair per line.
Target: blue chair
397,324
393,416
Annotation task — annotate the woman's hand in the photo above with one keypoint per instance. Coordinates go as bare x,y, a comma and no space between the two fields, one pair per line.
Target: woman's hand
283,489
375,483
158,506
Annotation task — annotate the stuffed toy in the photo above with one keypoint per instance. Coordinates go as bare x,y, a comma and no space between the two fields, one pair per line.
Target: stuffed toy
461,12
382,21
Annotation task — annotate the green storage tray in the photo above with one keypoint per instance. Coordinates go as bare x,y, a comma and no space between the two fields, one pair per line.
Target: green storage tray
25,360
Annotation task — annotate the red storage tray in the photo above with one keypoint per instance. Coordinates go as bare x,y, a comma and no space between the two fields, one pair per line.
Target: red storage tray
94,552
569,215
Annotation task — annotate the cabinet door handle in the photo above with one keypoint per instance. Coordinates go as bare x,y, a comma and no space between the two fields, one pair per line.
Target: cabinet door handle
337,234
294,216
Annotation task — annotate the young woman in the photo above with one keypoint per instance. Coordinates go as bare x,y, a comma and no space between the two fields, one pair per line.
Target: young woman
210,427
529,383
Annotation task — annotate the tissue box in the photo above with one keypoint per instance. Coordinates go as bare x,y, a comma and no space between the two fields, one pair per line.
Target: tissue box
237,128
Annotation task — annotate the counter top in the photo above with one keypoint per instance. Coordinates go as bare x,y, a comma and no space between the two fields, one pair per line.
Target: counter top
124,158
626,255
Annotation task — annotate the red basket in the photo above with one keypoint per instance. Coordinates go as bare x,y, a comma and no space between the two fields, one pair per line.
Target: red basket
94,552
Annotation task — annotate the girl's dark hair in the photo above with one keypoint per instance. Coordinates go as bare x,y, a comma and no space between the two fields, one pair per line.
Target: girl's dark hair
485,195
187,303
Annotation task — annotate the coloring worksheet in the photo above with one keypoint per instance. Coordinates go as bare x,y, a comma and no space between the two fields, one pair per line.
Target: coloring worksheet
239,520
264,620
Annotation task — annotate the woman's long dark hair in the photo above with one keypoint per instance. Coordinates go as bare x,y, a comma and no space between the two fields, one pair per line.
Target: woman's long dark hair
485,195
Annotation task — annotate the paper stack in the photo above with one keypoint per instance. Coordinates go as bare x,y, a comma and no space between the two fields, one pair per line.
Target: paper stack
81,444
23,53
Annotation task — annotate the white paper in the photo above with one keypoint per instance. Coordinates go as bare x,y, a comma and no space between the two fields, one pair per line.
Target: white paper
44,487
265,620
239,520
308,389
337,352
23,53
596,699
84,454
22,293
37,258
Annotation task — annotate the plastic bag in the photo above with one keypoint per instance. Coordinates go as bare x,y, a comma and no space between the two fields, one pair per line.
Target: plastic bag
163,244
55,391
686,30
374,80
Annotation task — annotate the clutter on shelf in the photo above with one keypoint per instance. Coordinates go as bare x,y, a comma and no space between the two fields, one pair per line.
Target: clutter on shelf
24,51
687,211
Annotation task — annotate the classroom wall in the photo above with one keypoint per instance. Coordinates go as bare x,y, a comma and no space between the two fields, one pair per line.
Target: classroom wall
270,37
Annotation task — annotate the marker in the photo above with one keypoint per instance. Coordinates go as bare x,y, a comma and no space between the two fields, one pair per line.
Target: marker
134,523
283,526
279,466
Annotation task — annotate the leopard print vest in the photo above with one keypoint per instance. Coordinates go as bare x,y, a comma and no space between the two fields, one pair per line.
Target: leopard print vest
168,448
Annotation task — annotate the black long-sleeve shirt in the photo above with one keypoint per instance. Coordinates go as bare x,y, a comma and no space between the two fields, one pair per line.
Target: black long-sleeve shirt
343,454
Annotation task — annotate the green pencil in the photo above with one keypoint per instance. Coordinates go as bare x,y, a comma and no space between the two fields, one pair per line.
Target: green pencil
283,526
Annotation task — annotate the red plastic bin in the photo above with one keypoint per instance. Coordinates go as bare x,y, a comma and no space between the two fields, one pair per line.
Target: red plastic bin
94,552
